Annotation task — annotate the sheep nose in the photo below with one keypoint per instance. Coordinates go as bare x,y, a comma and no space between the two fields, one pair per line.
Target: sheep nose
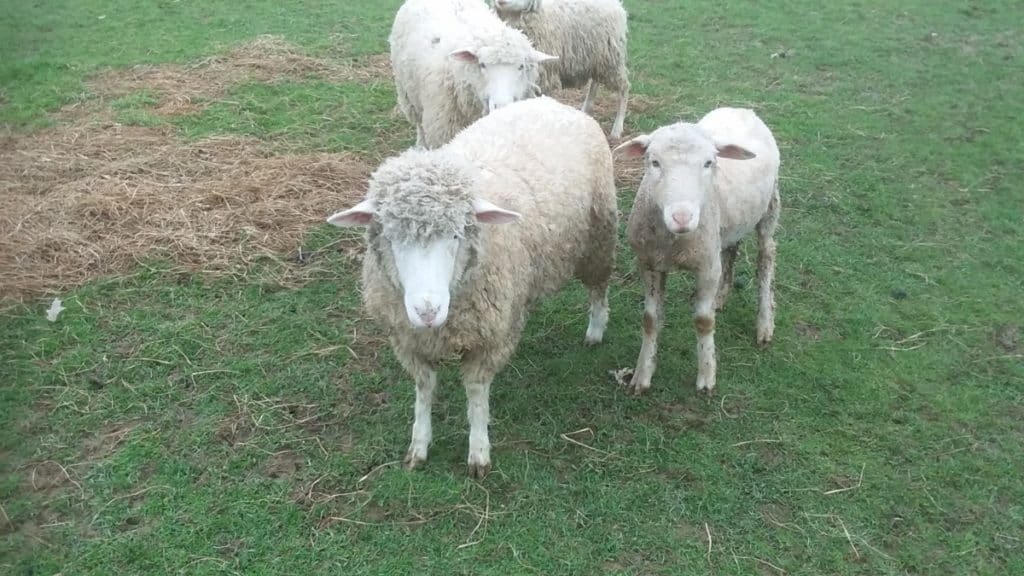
428,314
682,218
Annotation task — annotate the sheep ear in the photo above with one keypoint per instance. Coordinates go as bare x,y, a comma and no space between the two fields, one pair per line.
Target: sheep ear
489,213
359,215
633,148
541,57
464,55
734,152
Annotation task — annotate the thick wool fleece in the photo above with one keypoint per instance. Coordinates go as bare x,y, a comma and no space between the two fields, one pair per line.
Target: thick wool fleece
588,36
438,94
544,160
742,190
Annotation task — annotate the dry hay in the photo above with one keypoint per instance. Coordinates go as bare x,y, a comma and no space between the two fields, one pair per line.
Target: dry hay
92,198
184,89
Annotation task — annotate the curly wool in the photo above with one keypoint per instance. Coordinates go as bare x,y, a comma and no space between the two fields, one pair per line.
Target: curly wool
420,197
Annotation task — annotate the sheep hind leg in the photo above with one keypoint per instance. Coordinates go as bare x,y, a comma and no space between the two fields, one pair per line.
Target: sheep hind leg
766,270
598,314
620,116
426,383
588,102
728,260
477,374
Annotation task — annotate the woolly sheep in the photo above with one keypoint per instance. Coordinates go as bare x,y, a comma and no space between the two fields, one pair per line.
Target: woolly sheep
706,186
461,240
589,38
454,61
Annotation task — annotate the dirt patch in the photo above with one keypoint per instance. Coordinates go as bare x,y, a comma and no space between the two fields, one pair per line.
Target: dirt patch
282,464
107,440
91,199
1008,338
807,331
187,88
235,430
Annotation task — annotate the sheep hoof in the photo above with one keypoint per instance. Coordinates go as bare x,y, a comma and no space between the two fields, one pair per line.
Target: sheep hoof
479,471
764,338
593,340
412,461
636,387
705,386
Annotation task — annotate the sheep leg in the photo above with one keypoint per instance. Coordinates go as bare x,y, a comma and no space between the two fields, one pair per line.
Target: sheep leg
620,116
588,102
420,142
598,315
426,382
766,270
709,277
477,381
728,259
654,315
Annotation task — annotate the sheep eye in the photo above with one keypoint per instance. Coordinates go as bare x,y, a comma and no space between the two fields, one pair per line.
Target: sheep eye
655,164
483,66
521,66
708,164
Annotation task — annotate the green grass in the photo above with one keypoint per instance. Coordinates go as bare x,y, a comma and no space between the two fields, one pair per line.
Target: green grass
239,425
314,114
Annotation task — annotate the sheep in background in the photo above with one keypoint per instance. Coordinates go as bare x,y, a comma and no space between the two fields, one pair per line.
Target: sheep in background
454,61
706,186
461,240
589,38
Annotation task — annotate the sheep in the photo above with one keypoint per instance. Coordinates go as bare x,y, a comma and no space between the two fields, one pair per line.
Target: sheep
463,239
589,38
705,187
454,61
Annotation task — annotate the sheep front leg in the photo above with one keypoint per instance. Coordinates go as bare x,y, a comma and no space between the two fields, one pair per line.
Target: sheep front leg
766,271
709,277
426,382
588,102
654,313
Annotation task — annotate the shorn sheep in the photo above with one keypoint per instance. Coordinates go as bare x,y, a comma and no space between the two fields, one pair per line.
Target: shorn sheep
589,38
461,240
706,186
454,61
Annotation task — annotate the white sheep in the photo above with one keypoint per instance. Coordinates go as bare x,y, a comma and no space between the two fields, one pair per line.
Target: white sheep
462,239
454,61
706,186
589,38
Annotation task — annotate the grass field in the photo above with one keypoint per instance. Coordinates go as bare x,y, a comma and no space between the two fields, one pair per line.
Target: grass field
213,401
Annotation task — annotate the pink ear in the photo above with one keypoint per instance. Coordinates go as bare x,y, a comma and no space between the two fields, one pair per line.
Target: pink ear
734,152
359,215
488,213
633,148
464,55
